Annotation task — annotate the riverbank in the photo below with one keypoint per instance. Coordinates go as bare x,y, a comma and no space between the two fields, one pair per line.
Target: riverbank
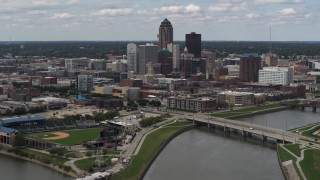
153,144
250,111
33,160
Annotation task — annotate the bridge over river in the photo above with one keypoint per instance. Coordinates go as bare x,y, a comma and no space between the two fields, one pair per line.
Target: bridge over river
249,129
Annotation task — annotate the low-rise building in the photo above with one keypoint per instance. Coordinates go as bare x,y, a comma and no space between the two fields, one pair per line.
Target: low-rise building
236,98
276,75
191,104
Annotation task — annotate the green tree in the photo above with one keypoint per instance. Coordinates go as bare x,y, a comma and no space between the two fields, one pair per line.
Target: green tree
142,102
19,140
8,112
20,110
155,103
131,103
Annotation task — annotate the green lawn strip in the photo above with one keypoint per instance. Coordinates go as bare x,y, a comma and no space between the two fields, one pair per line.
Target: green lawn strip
294,148
43,157
149,148
286,156
78,136
86,164
308,133
311,164
247,110
303,128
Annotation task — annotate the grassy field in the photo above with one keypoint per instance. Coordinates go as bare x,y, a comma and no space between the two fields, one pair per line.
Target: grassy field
303,128
285,156
150,147
311,164
245,111
76,136
308,133
294,148
87,164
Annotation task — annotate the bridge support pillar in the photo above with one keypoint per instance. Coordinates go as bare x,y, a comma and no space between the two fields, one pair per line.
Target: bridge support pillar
249,134
244,133
264,138
314,109
302,108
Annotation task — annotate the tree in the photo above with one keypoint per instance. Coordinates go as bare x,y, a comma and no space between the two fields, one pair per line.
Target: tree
131,103
19,140
222,105
8,112
155,103
19,111
142,102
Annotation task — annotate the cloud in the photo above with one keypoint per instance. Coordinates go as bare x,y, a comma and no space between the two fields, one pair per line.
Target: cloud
44,3
252,15
221,7
62,16
72,2
228,6
287,11
278,1
113,12
37,12
192,8
171,9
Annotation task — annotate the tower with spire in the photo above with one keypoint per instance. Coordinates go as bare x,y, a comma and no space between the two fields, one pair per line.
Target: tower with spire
165,34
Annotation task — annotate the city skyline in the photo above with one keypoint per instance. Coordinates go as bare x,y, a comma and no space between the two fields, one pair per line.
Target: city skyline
54,20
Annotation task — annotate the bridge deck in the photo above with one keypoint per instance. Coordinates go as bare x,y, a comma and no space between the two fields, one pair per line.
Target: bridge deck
250,128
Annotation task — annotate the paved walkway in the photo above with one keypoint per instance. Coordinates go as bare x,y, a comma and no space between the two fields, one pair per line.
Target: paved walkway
136,144
298,160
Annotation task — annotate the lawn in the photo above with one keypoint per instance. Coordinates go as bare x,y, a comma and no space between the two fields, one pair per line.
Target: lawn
303,128
308,133
87,164
245,111
285,156
150,147
294,148
41,135
311,164
43,157
76,136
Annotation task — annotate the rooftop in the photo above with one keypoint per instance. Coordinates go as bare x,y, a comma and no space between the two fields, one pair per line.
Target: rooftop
22,119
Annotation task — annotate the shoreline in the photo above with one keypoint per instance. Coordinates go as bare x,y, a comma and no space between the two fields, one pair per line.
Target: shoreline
266,111
162,148
35,161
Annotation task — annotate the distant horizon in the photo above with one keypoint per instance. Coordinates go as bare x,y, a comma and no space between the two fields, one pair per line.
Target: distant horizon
152,41
217,20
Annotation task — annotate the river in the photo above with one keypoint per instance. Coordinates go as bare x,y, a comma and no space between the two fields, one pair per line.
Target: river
17,169
196,154
203,154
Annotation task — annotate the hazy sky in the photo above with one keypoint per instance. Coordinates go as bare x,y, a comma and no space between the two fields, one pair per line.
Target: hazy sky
140,19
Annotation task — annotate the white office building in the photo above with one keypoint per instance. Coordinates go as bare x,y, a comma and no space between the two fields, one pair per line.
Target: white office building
175,50
276,75
132,57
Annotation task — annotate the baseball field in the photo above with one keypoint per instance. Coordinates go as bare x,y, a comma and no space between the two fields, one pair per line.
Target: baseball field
69,137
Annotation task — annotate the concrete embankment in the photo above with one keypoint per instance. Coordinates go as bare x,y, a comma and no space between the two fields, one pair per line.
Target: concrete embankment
260,112
161,149
284,172
55,168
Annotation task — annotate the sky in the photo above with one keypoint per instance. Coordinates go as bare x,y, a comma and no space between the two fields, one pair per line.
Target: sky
133,20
